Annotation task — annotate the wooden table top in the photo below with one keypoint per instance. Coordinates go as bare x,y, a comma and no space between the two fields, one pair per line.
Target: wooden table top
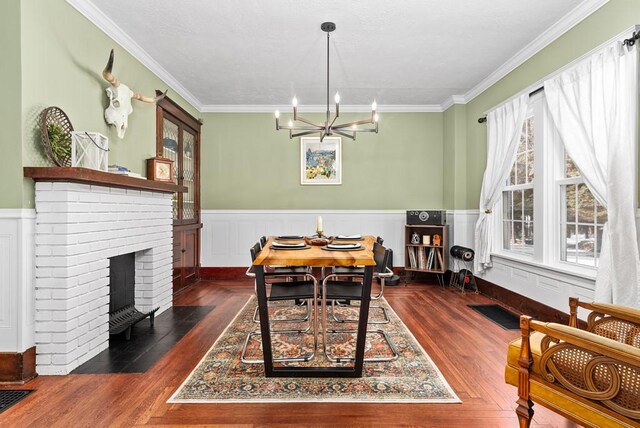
316,256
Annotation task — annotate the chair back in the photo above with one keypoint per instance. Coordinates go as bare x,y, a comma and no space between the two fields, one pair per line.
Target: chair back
263,241
255,250
380,240
380,256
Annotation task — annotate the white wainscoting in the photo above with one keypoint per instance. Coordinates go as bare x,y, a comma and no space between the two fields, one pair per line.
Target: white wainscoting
227,235
543,284
462,224
17,303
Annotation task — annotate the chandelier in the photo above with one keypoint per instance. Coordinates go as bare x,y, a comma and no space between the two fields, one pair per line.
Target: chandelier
329,127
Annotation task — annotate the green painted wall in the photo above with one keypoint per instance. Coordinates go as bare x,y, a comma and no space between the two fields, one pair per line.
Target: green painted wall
63,55
10,130
607,22
436,160
454,159
247,164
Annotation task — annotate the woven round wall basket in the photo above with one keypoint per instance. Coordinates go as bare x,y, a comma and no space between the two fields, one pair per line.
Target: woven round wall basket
55,132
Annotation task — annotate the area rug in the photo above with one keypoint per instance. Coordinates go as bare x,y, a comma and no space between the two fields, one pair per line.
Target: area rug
221,377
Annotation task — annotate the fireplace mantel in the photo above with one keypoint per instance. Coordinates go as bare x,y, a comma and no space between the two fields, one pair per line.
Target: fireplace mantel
99,178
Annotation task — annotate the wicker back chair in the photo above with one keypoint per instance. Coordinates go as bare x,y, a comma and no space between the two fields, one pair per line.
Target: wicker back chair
596,369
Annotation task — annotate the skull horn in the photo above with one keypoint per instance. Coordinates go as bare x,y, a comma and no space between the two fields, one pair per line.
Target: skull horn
106,73
146,99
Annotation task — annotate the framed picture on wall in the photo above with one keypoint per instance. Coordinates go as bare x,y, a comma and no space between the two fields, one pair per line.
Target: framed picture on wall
320,162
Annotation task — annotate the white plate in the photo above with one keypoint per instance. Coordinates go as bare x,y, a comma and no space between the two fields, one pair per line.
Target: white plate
342,246
283,245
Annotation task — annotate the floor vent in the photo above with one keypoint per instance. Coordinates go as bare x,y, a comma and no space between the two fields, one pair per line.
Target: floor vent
498,315
9,397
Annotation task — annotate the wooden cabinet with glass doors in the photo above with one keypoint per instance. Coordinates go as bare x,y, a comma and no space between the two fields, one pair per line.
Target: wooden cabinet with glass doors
178,139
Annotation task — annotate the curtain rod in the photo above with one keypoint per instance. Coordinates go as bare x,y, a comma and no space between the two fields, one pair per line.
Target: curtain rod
532,93
631,40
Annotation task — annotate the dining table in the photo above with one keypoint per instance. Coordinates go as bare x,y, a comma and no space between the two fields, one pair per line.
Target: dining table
322,257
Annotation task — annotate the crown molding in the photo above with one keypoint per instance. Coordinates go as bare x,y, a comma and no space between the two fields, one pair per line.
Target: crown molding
449,102
566,23
261,108
540,82
104,23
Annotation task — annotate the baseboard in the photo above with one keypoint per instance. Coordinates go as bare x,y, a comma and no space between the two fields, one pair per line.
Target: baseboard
18,367
232,272
521,304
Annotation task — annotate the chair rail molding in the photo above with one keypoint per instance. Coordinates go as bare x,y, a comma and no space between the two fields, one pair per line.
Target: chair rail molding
17,264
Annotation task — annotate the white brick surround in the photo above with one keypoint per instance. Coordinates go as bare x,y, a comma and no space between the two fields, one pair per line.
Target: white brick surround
78,228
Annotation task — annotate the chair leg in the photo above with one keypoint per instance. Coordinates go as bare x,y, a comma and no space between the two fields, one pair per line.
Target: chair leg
300,358
394,353
256,317
385,314
525,413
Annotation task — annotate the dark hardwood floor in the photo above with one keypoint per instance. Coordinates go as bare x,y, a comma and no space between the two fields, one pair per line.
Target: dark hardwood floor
469,350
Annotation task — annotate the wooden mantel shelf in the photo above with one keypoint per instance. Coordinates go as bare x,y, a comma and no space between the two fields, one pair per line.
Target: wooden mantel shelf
99,178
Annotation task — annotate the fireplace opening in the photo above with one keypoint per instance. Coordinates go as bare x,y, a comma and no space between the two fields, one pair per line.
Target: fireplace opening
122,288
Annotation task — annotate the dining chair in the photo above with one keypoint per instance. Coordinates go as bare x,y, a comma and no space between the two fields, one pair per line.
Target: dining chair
336,288
305,290
382,272
291,271
288,273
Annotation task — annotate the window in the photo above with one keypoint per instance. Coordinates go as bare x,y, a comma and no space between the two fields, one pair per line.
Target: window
582,219
548,215
517,213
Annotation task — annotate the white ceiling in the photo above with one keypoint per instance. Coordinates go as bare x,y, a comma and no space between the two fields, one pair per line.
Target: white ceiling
237,53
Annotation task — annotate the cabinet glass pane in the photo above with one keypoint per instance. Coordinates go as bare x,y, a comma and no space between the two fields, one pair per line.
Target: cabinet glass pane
189,174
170,151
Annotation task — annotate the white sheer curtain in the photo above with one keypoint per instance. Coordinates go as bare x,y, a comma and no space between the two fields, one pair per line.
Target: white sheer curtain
504,126
594,107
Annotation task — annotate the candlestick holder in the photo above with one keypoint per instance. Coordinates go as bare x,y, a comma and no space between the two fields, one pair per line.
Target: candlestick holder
318,239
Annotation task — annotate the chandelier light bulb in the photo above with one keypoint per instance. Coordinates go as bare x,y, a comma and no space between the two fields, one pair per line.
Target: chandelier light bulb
294,102
337,98
374,106
277,114
290,124
376,117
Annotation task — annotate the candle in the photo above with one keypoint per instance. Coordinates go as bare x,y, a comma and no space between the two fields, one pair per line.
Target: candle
319,227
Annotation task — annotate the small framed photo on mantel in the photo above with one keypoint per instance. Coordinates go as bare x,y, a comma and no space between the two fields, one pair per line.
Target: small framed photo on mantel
320,162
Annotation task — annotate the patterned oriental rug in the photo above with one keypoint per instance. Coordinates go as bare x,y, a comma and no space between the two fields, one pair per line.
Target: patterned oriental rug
221,377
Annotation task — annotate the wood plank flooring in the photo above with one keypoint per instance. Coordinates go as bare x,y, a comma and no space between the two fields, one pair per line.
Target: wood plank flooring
469,350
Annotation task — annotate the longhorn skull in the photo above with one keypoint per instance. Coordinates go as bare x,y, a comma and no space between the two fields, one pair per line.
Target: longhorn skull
120,96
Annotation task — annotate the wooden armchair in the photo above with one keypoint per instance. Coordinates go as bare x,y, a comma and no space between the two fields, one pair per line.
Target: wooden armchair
591,376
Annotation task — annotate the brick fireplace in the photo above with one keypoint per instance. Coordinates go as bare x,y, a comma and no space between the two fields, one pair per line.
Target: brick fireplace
79,226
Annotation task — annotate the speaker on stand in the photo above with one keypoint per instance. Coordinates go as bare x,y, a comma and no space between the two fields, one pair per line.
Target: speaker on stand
462,273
